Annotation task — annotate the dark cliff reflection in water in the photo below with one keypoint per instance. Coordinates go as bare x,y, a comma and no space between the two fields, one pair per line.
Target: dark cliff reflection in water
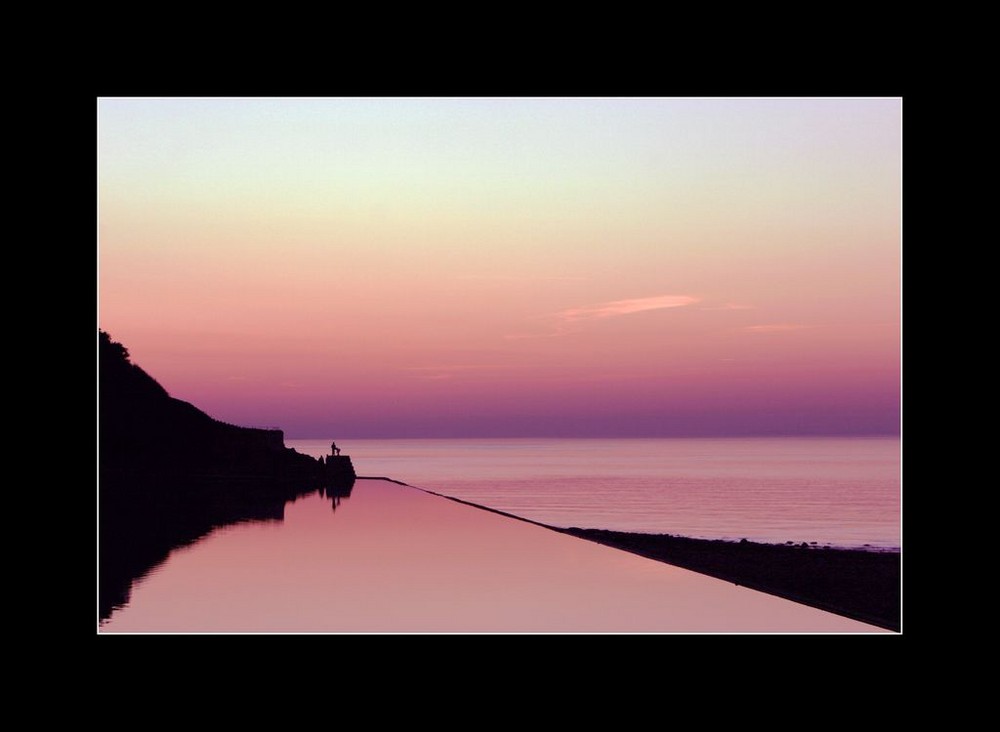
140,525
336,493
396,559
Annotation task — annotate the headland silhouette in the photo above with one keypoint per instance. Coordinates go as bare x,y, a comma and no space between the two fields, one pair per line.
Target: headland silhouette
169,474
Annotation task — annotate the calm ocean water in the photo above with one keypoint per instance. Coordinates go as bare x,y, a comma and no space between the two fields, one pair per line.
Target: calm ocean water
385,558
836,491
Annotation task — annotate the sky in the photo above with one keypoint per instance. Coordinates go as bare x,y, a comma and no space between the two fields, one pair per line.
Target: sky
509,267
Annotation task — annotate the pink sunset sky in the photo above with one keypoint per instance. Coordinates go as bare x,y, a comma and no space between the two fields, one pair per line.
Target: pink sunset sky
451,267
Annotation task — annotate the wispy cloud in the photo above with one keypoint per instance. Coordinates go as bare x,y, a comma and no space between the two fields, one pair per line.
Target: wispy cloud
774,327
449,371
523,278
625,307
564,321
731,306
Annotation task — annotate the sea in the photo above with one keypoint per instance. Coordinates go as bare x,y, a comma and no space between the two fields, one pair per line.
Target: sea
380,557
825,491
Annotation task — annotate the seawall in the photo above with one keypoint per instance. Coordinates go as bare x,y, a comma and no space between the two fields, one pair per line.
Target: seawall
339,467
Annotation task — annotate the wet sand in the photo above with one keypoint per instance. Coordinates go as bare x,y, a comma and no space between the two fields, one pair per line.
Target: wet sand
858,584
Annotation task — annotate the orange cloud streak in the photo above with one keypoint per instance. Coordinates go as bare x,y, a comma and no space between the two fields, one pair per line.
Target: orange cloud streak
626,307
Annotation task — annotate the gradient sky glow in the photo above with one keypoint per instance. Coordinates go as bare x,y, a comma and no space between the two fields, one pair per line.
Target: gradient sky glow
509,267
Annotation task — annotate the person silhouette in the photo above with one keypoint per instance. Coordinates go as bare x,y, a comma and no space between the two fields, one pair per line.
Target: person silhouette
334,449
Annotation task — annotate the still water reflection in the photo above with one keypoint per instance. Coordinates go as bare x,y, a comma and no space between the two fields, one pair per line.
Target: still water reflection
838,491
394,559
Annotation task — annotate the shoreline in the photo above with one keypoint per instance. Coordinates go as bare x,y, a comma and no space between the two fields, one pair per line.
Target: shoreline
861,584
856,583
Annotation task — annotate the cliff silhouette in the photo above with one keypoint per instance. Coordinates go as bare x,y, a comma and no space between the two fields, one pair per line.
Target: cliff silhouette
169,473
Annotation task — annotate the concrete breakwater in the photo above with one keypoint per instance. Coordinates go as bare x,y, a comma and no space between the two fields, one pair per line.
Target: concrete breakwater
338,468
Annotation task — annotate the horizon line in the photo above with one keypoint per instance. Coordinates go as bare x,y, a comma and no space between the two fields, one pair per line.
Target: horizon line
897,434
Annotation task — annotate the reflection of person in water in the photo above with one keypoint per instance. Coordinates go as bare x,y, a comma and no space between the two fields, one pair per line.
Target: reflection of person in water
334,449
